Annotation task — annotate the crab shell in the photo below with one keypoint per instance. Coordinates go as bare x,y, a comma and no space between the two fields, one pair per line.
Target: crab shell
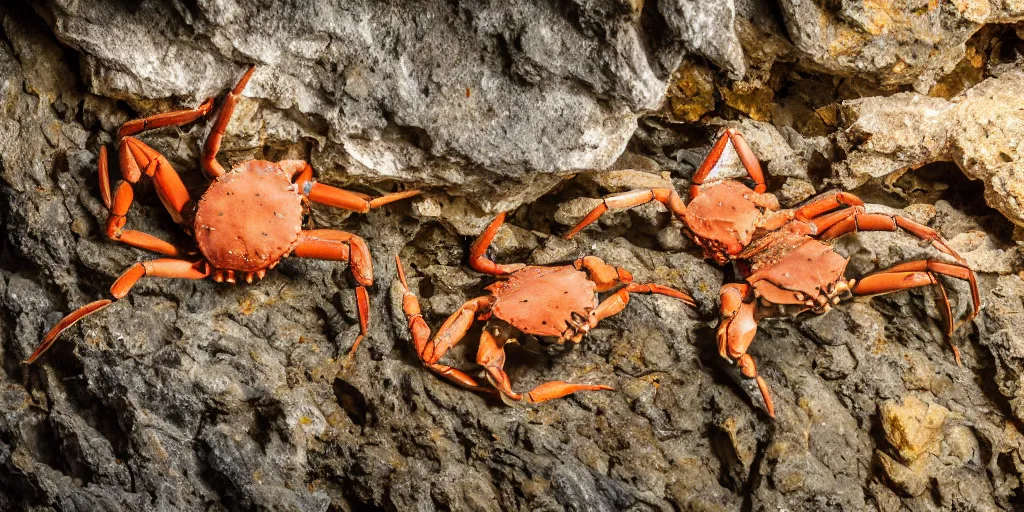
722,218
542,301
797,270
249,218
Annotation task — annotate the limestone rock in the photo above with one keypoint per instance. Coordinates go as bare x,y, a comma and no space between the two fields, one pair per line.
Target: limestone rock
979,131
893,43
912,427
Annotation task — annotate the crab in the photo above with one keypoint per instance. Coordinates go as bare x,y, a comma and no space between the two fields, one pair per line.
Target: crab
785,256
553,303
249,218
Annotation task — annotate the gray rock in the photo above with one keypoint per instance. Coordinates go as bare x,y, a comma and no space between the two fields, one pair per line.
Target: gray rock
979,131
412,94
893,44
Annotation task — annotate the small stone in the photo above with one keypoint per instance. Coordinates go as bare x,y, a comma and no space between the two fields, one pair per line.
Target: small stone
913,426
426,207
794,191
572,211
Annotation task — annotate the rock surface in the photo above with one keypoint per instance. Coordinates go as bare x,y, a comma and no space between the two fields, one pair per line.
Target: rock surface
893,43
411,93
982,131
198,396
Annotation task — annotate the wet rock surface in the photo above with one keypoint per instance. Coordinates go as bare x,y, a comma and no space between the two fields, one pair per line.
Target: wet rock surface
192,395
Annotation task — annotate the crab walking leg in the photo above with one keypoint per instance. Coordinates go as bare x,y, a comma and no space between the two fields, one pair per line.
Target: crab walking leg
450,333
836,225
328,244
747,157
164,267
665,196
492,357
135,155
209,159
347,200
176,118
614,304
826,203
478,251
104,172
915,274
736,331
854,219
117,218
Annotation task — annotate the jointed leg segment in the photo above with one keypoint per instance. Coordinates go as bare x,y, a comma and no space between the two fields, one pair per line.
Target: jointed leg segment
625,200
478,251
736,331
164,267
746,155
347,200
327,244
492,357
212,146
451,332
915,274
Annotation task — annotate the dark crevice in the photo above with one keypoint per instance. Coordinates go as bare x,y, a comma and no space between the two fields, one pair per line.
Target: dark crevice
351,400
754,479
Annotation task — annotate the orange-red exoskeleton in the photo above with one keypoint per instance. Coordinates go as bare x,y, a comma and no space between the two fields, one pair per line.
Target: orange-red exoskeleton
558,303
785,256
247,220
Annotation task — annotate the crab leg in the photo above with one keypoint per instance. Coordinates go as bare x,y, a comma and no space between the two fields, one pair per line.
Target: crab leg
299,169
842,222
826,203
914,274
117,219
478,251
736,331
614,304
492,357
212,146
119,207
327,244
451,332
179,117
135,155
624,200
347,200
747,157
163,267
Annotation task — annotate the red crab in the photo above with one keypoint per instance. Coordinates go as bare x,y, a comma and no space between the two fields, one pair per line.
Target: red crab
557,303
784,256
247,220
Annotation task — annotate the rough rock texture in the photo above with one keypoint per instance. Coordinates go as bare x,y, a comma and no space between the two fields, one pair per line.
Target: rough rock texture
412,92
890,42
982,131
198,396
